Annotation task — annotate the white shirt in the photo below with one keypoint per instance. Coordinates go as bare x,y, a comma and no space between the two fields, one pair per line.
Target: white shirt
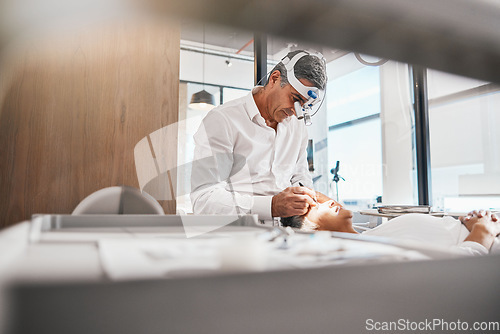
240,162
445,231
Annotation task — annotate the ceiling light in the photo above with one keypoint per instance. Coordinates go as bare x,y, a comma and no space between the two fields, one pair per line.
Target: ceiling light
202,100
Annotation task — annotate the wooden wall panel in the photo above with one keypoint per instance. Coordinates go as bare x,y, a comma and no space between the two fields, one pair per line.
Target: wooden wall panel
73,109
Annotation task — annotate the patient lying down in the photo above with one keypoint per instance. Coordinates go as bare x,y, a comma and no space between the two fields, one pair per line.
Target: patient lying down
475,233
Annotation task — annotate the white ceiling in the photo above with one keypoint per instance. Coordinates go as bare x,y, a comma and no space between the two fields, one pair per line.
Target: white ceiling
231,40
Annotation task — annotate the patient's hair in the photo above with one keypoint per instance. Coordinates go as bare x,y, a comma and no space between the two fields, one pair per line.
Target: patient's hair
294,221
299,222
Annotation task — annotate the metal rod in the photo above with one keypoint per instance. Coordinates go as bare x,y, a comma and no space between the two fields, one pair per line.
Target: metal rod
422,138
260,56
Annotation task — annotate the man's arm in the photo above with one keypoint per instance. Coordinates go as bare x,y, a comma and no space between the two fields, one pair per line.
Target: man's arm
213,166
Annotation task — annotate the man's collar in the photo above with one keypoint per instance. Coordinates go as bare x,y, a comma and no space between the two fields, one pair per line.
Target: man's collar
253,111
251,108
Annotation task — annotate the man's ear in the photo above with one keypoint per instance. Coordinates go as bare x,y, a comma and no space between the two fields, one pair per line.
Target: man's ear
275,77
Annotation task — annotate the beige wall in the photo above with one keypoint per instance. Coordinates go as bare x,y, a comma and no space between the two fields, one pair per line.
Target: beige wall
72,109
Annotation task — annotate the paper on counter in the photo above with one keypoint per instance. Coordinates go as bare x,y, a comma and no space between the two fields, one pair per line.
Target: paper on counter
154,258
144,258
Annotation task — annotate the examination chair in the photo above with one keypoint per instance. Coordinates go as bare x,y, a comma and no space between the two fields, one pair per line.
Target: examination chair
118,200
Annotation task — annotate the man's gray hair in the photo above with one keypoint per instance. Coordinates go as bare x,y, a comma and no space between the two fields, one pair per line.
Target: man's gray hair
309,67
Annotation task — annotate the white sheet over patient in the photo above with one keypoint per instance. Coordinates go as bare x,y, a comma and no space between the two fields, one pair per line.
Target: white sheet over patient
445,231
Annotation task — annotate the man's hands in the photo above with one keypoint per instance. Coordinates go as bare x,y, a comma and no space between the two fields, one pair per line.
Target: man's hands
293,201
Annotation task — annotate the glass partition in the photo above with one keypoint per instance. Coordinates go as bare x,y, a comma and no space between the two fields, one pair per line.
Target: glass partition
370,132
464,116
365,124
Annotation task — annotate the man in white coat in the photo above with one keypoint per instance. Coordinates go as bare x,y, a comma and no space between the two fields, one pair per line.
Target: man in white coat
250,153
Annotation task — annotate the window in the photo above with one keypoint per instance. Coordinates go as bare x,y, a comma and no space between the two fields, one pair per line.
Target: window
354,137
464,117
370,132
366,121
233,93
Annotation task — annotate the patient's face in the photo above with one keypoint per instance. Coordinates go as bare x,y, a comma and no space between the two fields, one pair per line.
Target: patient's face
331,217
323,211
